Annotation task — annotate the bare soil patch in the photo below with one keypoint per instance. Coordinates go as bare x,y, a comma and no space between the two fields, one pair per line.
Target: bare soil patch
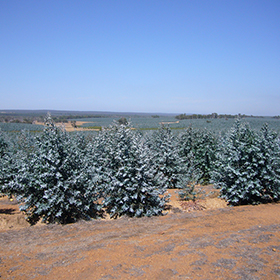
208,240
68,126
169,122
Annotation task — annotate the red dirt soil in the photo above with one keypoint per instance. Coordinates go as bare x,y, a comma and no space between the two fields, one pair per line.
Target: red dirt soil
218,242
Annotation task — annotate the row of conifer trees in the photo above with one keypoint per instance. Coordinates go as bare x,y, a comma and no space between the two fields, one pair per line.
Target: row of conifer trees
63,177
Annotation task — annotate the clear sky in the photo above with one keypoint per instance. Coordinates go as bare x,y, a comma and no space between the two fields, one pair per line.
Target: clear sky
169,56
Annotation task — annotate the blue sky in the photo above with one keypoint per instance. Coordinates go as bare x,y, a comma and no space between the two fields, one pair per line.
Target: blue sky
169,56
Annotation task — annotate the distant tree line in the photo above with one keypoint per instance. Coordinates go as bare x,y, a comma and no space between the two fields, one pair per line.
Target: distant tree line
212,116
20,119
57,119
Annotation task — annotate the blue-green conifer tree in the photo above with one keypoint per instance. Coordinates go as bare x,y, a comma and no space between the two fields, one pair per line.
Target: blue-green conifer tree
132,185
55,182
247,170
197,148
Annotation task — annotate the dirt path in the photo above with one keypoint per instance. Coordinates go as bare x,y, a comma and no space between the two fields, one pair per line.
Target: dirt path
223,243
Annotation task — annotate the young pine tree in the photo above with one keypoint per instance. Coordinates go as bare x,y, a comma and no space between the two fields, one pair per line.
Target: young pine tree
164,146
247,170
198,148
177,172
268,160
54,182
132,185
6,165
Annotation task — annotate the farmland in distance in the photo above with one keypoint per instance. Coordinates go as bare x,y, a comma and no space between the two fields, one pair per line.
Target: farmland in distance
145,122
215,125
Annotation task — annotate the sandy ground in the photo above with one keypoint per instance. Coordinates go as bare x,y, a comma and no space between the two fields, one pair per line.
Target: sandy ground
68,126
169,122
218,242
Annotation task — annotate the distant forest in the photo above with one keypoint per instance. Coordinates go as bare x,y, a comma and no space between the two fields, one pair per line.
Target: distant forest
213,116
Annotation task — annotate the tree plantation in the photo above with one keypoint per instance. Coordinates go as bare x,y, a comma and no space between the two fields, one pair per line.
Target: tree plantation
62,177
